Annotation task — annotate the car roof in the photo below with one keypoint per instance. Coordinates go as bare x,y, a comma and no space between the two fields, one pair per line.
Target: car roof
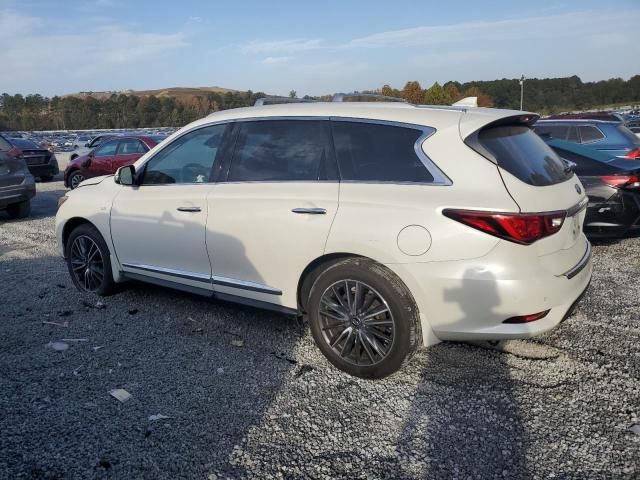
432,116
577,120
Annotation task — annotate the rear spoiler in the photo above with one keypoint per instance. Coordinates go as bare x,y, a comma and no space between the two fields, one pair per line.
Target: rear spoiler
472,121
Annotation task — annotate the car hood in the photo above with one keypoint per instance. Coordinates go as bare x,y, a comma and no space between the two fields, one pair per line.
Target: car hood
94,181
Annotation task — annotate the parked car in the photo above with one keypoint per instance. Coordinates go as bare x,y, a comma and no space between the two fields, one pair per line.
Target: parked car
606,116
90,145
389,225
612,185
107,158
609,137
17,186
40,161
635,131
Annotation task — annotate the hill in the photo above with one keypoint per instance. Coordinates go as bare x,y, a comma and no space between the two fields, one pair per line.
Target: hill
174,92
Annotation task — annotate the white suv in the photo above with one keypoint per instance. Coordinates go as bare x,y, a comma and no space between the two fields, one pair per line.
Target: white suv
388,225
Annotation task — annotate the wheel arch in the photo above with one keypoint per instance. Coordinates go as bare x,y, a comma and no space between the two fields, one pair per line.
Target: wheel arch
70,225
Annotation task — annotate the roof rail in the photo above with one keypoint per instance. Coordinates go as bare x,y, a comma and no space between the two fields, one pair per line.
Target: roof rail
274,100
339,97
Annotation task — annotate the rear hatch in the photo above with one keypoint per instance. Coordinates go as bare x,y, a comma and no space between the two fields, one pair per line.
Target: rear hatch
12,171
539,182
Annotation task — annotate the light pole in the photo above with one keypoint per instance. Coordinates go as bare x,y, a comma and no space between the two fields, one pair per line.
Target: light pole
522,79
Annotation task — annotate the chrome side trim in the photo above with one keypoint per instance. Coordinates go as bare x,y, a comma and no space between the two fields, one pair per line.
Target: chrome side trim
196,277
244,285
204,278
581,264
578,207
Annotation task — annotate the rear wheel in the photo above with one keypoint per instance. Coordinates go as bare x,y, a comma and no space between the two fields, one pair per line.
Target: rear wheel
19,210
88,261
75,179
363,318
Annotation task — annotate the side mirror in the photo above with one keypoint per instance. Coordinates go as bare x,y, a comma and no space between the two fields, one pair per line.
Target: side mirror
125,175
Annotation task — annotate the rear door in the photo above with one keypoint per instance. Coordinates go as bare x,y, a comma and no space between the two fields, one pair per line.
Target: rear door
271,215
12,168
129,150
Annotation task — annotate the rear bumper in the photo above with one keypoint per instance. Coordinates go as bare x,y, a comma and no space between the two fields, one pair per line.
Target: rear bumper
18,193
44,170
613,217
470,299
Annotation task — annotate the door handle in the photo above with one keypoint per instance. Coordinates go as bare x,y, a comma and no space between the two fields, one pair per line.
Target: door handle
188,209
310,211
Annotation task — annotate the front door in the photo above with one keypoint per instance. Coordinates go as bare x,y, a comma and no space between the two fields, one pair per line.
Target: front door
272,215
158,226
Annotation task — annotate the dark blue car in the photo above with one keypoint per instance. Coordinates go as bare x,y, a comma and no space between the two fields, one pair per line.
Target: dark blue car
612,138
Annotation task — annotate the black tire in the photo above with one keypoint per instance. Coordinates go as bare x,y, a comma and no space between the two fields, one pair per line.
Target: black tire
74,179
46,178
19,210
398,339
73,157
101,277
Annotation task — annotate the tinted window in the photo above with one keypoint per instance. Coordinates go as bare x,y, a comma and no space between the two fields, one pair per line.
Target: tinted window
188,159
628,134
552,131
131,146
590,134
4,145
378,153
281,150
573,135
25,144
107,149
523,154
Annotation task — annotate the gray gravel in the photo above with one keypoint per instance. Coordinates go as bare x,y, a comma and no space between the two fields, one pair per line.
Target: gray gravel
560,406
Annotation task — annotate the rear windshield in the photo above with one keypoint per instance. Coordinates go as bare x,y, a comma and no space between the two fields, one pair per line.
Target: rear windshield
628,134
524,154
25,144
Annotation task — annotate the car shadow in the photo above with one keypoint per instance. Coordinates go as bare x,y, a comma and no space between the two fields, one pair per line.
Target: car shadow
466,414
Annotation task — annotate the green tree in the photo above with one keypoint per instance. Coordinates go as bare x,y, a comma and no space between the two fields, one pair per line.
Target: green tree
436,95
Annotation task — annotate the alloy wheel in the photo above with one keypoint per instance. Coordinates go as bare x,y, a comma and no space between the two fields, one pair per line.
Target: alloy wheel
87,263
76,179
356,322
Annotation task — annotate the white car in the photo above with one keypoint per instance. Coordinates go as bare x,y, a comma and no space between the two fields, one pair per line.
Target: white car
388,225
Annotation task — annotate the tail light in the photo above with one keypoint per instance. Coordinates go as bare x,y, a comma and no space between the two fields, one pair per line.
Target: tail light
622,181
527,318
633,154
523,228
14,152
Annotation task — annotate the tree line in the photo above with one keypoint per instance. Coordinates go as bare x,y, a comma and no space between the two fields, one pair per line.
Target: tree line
548,95
35,112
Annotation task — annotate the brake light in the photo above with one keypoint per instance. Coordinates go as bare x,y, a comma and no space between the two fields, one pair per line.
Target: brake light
633,154
523,228
14,152
527,318
621,181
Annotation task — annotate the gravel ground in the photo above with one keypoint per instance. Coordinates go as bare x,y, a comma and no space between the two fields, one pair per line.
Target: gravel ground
271,407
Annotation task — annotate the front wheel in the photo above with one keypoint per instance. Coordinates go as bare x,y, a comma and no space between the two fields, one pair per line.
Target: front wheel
89,261
75,179
363,318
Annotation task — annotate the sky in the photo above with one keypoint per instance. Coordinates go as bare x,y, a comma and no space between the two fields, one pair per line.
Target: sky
54,47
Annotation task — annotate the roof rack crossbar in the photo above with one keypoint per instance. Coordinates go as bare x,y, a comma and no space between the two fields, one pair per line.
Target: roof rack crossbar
339,97
274,100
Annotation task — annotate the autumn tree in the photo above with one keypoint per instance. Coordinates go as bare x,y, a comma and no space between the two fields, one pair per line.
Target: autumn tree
483,99
413,93
452,91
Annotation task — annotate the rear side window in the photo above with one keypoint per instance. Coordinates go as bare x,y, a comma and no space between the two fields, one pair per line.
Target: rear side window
282,150
378,153
590,134
522,153
552,131
131,146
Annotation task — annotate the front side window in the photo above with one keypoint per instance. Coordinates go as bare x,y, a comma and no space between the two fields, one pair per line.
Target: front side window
282,150
188,159
372,152
131,146
107,149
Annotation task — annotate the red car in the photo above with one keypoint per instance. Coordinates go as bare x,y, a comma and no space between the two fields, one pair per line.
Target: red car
108,157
